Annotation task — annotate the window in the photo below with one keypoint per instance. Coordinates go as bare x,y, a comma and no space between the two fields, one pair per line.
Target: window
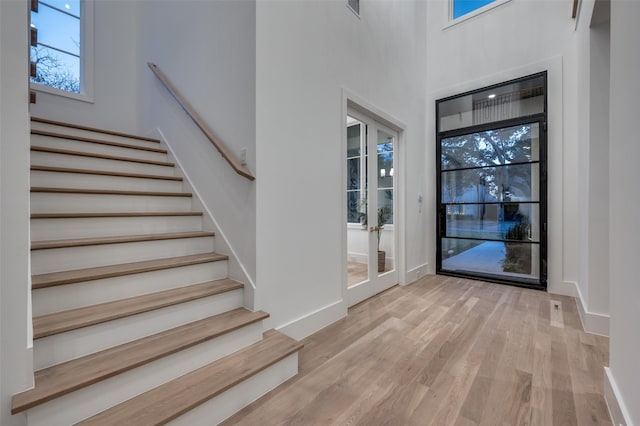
462,7
354,5
61,50
491,183
356,169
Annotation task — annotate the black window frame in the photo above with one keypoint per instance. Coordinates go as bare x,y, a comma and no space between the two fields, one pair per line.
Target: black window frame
541,118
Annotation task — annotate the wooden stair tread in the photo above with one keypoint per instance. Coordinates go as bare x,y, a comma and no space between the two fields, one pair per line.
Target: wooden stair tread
89,274
82,242
60,322
92,129
169,401
70,376
108,192
96,141
103,156
107,214
102,172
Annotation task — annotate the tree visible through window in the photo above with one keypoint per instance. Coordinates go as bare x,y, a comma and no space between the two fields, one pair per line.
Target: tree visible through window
462,7
57,54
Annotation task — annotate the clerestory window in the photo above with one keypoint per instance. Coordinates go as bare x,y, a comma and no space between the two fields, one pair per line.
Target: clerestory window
461,10
61,51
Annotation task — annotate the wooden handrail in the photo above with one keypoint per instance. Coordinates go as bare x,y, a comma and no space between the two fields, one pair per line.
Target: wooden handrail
233,162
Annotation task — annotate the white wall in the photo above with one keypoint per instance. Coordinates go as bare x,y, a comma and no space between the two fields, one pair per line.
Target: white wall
115,61
207,50
625,202
510,41
593,165
307,53
16,360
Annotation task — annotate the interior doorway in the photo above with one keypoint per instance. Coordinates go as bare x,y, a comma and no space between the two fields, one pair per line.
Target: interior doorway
371,200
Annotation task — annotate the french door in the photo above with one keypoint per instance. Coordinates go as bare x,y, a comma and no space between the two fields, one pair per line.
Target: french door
491,194
371,207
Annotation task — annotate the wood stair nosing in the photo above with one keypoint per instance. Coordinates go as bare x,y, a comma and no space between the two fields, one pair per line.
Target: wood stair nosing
110,215
61,379
39,168
171,400
83,242
92,129
96,141
90,274
101,156
108,192
60,322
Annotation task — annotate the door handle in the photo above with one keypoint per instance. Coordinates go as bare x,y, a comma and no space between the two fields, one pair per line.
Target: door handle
373,228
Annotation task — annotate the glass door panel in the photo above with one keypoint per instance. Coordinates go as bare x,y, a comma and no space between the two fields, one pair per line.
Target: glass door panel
490,203
371,205
357,215
384,216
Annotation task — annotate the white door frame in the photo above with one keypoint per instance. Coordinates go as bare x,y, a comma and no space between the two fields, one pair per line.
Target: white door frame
355,105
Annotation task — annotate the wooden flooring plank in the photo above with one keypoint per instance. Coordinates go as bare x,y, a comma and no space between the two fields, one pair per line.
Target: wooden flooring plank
59,322
70,376
110,215
108,192
90,274
39,168
466,353
165,403
92,129
101,156
96,141
82,242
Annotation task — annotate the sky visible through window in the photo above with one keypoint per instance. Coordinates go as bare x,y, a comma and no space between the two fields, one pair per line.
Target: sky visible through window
462,7
58,52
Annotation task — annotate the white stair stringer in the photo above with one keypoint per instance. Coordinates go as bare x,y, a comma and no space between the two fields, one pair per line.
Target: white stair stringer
98,148
104,394
109,226
56,179
228,403
58,348
68,258
71,296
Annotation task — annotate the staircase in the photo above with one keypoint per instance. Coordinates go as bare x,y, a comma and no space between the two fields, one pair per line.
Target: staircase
134,319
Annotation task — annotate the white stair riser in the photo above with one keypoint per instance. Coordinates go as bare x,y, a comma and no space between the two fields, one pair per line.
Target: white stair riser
44,202
244,393
91,400
52,350
92,135
61,298
96,148
90,181
63,259
57,229
80,162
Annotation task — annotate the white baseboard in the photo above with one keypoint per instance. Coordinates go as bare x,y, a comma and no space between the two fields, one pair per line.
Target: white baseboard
563,288
308,324
416,273
617,409
591,322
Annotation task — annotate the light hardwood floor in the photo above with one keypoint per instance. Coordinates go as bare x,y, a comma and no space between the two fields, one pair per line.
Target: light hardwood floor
358,272
446,351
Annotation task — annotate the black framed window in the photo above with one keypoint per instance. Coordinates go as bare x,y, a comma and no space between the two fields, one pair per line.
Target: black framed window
491,178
